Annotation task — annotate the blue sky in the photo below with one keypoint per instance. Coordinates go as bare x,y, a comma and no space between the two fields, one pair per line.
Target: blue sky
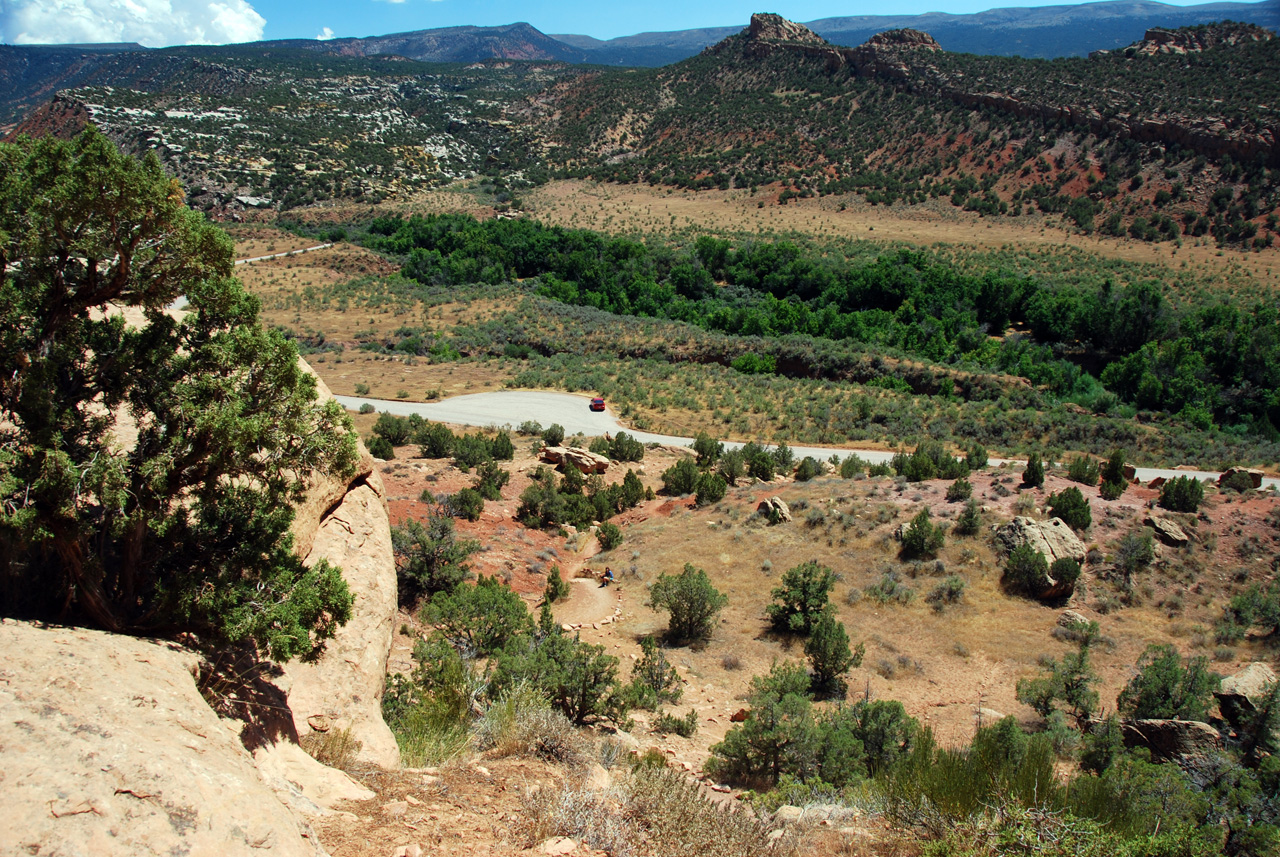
157,23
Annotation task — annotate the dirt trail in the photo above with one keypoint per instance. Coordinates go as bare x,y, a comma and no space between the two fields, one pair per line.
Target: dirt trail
588,602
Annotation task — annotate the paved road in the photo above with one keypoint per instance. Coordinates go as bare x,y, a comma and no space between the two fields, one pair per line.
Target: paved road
509,408
282,255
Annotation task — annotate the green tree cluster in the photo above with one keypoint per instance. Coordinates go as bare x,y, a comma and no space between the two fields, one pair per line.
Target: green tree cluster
692,602
184,529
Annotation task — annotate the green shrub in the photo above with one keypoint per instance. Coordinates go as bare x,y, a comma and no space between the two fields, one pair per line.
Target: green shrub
479,618
976,457
501,447
1033,476
1083,470
708,449
654,680
930,460
395,430
801,597
624,447
669,724
830,656
1255,607
969,521
436,441
367,408
609,536
430,558
1181,494
692,602
1026,571
579,679
467,503
922,538
1238,482
890,588
1134,552
710,488
959,490
808,469
680,478
529,428
1113,482
380,447
362,390
1067,684
557,587
553,435
1065,571
1071,506
490,479
851,466
946,592
1168,687
471,450
1112,490
732,466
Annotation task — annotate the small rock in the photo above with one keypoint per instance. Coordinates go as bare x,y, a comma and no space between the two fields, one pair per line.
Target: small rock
566,627
482,771
558,845
1167,531
411,850
789,814
598,778
412,801
716,787
775,835
320,722
1072,619
395,809
739,716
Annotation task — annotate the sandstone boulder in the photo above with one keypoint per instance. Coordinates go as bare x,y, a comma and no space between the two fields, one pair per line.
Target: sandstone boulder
345,521
1240,694
1167,531
1053,538
1255,476
1173,740
775,510
107,748
583,459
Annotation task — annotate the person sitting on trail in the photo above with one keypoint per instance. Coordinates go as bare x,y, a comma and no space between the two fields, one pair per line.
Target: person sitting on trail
608,575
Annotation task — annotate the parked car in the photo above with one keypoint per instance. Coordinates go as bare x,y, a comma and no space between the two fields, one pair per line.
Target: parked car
597,404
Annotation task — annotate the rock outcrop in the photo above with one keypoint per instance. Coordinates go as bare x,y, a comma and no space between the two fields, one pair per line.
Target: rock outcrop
107,748
1241,693
583,459
345,521
775,510
1053,538
1167,531
1172,740
775,28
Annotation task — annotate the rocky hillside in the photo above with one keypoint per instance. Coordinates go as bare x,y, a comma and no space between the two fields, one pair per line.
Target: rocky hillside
288,127
1153,144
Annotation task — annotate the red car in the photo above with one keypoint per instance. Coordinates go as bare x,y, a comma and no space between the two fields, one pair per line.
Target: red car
597,404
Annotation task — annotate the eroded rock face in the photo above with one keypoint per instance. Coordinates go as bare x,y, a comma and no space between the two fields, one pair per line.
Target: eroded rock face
1053,538
346,522
775,509
107,748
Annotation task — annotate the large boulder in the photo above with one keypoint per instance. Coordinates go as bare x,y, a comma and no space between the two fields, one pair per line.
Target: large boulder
583,459
346,522
1053,538
1255,476
775,510
107,748
1172,740
1167,531
1240,694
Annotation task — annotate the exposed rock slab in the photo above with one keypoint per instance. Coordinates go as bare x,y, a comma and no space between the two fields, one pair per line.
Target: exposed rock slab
107,748
345,684
1175,740
1255,476
1168,531
583,459
1053,538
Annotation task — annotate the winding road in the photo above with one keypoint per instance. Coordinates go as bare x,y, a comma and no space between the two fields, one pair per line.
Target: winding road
509,408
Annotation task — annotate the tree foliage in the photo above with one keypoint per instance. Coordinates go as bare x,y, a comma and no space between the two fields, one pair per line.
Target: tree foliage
1071,506
922,537
691,600
186,527
1181,494
801,597
1169,687
830,655
429,558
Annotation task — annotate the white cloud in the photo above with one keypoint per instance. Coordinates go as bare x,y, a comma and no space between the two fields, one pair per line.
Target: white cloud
325,35
154,23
